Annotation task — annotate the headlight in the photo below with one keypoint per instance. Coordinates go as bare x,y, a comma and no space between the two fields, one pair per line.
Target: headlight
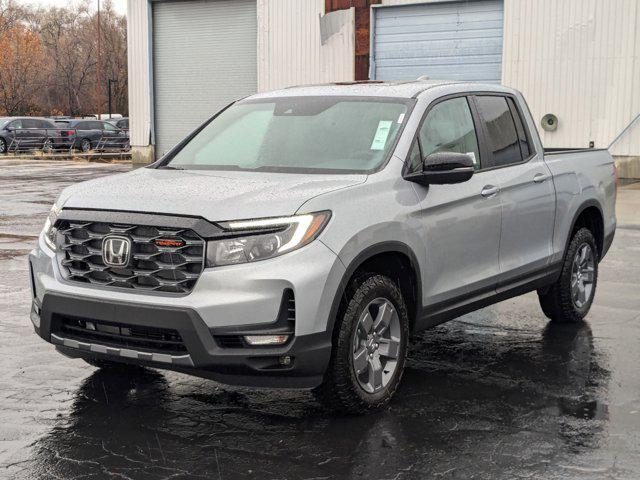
49,232
253,240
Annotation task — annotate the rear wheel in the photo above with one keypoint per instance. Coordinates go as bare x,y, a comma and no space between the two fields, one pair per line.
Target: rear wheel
570,298
85,144
369,347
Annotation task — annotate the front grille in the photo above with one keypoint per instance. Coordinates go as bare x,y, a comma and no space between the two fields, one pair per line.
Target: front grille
121,335
162,268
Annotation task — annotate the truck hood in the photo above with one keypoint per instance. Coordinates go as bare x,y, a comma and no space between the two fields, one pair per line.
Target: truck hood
213,195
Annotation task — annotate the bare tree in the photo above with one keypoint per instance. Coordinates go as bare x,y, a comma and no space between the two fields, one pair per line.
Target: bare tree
21,73
61,56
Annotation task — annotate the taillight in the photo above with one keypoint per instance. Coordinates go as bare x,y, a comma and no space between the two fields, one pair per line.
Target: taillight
67,133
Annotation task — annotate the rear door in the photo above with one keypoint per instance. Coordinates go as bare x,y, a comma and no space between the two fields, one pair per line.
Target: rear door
461,221
32,135
526,189
94,132
50,132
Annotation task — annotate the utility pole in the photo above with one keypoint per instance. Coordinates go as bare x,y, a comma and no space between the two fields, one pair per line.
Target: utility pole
98,76
109,82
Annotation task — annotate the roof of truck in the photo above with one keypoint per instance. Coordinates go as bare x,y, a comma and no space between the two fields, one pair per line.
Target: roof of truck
370,88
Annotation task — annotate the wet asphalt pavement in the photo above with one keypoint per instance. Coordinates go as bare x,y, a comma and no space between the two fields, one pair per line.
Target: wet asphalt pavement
498,394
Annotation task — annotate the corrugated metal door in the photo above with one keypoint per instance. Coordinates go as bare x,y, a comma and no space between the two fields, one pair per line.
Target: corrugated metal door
204,57
452,40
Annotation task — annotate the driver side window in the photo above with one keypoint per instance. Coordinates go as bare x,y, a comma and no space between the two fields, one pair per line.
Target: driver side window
449,127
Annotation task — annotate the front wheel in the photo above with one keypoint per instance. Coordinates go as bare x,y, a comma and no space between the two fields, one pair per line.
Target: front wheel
47,146
570,298
369,347
3,146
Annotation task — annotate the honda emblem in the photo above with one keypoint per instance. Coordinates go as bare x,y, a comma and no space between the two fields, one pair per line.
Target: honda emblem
116,251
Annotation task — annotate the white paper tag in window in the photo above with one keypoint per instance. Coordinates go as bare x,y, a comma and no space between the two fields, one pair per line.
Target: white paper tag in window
473,157
382,133
401,118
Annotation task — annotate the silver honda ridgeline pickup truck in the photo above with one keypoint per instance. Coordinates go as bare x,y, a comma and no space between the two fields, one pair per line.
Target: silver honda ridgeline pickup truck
299,237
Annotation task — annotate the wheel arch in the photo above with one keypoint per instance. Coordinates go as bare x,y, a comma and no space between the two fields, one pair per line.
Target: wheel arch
589,215
392,258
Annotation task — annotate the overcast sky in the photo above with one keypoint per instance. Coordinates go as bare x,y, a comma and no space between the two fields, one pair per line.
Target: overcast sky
120,5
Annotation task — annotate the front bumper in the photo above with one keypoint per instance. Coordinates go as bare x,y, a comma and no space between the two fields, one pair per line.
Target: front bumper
227,300
308,355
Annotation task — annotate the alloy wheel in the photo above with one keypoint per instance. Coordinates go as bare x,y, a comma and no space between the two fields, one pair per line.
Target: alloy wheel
582,275
376,345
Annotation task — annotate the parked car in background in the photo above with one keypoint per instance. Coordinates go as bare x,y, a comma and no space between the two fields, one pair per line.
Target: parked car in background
121,123
86,134
28,133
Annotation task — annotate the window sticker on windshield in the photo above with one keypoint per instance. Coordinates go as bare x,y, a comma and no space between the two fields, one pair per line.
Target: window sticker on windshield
382,133
401,118
473,157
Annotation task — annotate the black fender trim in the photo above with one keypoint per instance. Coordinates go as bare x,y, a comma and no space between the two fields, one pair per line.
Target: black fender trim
587,204
363,256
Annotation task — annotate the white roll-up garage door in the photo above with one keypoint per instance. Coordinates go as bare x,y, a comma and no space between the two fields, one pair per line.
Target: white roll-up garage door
451,40
204,57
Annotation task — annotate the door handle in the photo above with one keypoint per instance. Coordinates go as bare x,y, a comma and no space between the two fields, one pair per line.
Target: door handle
489,191
540,177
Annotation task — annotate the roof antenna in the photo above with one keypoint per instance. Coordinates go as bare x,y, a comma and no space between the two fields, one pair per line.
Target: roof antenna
422,78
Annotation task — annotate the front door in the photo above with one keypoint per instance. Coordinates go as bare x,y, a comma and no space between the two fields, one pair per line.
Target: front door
461,221
526,188
13,138
111,135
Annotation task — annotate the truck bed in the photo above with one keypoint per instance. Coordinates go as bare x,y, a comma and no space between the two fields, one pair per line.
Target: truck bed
559,150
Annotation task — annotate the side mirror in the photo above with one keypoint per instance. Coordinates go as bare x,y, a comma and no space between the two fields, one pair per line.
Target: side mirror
9,129
444,168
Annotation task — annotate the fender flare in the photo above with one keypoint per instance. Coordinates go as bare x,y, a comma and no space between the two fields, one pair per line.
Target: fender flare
361,258
586,204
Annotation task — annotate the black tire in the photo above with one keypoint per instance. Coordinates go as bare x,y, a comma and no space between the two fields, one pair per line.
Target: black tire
341,390
47,146
3,147
557,301
112,366
85,145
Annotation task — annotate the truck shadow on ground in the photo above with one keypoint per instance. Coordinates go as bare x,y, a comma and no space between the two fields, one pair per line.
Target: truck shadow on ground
477,401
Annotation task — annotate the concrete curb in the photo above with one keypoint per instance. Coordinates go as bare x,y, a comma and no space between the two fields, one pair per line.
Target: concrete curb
89,157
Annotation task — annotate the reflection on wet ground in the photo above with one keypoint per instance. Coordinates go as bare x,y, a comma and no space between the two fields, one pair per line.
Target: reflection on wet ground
500,393
461,408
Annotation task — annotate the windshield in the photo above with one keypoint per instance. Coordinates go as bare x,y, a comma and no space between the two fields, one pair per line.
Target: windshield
4,121
323,134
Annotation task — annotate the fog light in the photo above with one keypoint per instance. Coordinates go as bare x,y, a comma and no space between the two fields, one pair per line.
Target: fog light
266,339
285,361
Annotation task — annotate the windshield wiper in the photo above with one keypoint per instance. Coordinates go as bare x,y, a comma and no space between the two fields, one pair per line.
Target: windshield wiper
169,167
